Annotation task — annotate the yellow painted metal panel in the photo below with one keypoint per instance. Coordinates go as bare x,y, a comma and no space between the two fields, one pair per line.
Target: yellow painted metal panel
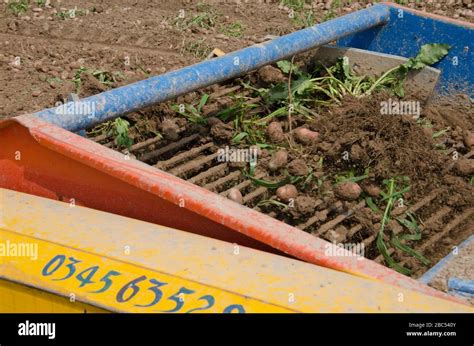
23,299
85,276
121,264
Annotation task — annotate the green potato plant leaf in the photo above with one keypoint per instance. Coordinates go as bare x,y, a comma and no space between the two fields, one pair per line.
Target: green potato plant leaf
286,66
120,131
429,54
394,78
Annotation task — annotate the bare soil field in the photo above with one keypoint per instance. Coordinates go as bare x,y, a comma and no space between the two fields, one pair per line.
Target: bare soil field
42,47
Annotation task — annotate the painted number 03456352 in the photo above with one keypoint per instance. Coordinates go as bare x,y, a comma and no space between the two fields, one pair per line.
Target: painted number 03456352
132,289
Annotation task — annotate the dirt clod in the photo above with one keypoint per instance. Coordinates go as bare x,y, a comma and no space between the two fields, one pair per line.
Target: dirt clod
305,205
222,132
337,235
398,210
270,74
465,167
90,85
279,160
169,129
390,145
298,167
275,132
371,189
469,139
210,109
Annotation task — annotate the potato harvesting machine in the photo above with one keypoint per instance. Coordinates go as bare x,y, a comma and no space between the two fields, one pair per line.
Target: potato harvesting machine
133,233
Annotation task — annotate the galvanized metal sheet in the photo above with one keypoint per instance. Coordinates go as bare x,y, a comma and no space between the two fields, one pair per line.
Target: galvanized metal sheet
420,83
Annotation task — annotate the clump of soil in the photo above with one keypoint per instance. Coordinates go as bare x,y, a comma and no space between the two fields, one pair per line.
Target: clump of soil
270,74
298,167
465,167
355,136
169,129
90,85
275,132
279,160
221,131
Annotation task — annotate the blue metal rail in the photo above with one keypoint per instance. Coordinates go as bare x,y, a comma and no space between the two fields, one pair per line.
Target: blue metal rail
114,103
461,287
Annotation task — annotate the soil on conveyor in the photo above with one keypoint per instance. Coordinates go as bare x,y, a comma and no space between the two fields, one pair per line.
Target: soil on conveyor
433,153
399,146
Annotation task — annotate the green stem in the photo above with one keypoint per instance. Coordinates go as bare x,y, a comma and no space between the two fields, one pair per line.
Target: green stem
389,206
381,78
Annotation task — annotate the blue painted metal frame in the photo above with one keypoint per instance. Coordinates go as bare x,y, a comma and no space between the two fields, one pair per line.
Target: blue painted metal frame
407,31
461,287
120,101
457,286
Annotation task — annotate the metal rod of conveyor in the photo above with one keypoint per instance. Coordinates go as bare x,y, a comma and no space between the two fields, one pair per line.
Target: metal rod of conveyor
120,101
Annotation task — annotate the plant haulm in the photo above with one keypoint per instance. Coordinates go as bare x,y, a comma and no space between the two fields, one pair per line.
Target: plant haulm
338,81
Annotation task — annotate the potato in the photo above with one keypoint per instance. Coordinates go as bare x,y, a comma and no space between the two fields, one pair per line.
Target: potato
428,131
287,192
306,136
279,159
235,195
275,132
372,190
348,191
